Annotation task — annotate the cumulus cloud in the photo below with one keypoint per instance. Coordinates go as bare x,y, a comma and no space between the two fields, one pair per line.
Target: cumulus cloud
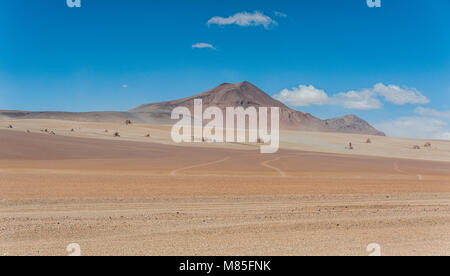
365,99
360,100
203,46
400,96
309,95
416,127
244,19
303,96
432,112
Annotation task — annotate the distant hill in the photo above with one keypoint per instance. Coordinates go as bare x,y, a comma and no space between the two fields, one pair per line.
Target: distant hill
225,95
246,94
352,124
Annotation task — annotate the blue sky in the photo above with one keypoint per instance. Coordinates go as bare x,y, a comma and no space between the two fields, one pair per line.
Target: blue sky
389,65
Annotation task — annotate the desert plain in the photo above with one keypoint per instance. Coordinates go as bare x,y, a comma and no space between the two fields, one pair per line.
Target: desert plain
64,182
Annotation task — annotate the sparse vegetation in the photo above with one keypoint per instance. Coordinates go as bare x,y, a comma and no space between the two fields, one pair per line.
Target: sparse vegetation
72,130
416,147
52,133
116,134
148,136
128,122
106,131
369,141
10,126
350,146
427,145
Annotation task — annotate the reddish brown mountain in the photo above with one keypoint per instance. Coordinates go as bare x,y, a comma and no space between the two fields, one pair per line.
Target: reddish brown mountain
352,124
226,95
246,94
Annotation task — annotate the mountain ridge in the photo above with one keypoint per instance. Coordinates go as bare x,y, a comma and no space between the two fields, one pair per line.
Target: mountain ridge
225,95
246,94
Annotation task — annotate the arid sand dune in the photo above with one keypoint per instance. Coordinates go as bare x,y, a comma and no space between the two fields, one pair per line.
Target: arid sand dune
136,195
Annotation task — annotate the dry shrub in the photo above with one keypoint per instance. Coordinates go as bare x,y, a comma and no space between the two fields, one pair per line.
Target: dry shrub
427,145
128,122
116,134
416,147
369,141
148,136
10,126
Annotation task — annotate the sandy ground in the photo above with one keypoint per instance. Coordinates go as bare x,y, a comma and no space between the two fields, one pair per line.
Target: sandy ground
273,225
136,195
290,140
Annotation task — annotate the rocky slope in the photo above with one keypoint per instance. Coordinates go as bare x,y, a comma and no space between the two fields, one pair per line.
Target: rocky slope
246,94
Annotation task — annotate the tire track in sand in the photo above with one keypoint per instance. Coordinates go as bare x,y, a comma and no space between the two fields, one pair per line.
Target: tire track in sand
174,172
397,169
266,164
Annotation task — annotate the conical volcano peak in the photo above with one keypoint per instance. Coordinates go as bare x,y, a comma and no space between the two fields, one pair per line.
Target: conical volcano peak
246,84
242,94
245,94
235,85
225,95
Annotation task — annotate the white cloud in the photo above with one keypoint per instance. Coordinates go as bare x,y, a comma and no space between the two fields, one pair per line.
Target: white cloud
400,96
203,46
124,85
433,112
416,127
309,95
366,99
244,19
303,96
361,100
280,14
